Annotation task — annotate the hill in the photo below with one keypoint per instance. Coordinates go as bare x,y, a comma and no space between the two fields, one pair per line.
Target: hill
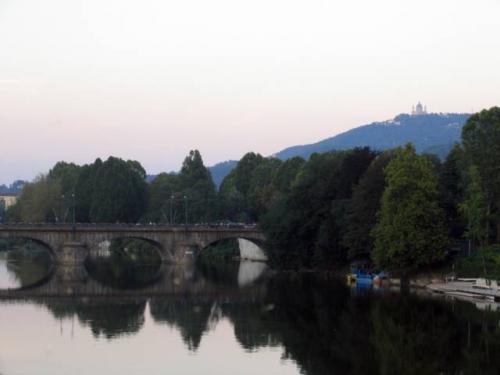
424,131
221,170
433,133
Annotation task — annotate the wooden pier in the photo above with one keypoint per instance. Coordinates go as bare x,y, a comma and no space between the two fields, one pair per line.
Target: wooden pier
467,288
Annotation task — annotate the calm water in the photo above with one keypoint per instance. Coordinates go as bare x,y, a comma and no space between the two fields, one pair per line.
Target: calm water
21,267
242,319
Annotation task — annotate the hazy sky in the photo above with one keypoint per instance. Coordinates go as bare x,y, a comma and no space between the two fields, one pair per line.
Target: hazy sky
150,80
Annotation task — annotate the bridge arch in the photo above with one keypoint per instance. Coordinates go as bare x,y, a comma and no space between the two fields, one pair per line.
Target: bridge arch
45,244
122,264
162,249
250,248
46,264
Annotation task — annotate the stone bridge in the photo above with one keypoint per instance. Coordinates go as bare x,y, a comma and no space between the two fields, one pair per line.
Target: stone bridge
71,244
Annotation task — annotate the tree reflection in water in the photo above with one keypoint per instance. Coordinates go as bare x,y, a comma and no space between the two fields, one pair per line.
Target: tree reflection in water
318,322
127,263
23,263
109,318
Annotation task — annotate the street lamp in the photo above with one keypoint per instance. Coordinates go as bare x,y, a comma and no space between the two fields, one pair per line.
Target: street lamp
74,216
185,210
74,208
63,209
171,209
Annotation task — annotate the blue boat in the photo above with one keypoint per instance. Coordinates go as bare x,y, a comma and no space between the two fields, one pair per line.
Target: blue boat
363,278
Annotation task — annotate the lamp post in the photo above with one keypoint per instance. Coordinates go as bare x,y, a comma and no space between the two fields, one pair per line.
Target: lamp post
74,208
63,209
171,209
185,211
74,216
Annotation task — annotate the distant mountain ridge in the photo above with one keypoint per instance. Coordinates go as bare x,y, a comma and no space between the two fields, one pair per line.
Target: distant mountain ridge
424,131
221,170
430,133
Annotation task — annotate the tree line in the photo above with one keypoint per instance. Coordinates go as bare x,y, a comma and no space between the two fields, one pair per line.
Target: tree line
116,191
396,208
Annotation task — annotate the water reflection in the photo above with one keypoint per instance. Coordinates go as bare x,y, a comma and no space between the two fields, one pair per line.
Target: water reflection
284,323
124,263
108,318
23,263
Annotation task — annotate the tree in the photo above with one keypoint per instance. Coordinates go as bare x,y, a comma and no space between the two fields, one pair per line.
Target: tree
244,171
363,208
286,174
451,177
231,202
3,211
410,232
191,192
305,225
474,208
481,141
243,190
162,206
40,201
262,190
120,192
197,190
84,190
67,175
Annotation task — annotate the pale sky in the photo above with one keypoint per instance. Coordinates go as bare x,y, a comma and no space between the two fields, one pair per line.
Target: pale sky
151,79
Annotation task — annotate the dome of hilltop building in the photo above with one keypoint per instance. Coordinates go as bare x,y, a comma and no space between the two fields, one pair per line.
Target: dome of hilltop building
419,109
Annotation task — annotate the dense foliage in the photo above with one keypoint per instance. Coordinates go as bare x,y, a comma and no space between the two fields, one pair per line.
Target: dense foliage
396,209
399,210
410,231
186,197
305,226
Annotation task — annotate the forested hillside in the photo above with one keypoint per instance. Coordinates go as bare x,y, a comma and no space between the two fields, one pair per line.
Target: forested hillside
424,131
430,133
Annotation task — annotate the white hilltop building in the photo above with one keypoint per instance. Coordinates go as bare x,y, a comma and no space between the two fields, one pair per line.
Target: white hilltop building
418,109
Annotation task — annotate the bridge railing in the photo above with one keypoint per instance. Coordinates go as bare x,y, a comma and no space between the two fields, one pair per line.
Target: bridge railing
128,225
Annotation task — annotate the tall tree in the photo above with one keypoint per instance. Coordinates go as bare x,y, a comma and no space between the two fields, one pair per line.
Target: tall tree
3,211
410,232
474,208
163,194
84,190
304,227
363,208
244,171
231,202
40,201
262,190
238,193
67,175
481,141
451,184
197,193
120,193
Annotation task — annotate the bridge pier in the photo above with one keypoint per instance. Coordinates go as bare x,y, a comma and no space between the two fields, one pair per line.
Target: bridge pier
72,254
185,254
70,272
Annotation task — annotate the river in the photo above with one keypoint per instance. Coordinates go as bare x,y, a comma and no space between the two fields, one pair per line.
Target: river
245,319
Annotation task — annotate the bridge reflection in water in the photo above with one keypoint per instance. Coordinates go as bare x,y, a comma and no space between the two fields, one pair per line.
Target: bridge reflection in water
167,279
314,322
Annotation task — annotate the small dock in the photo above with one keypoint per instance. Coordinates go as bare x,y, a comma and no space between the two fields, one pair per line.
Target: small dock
466,288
